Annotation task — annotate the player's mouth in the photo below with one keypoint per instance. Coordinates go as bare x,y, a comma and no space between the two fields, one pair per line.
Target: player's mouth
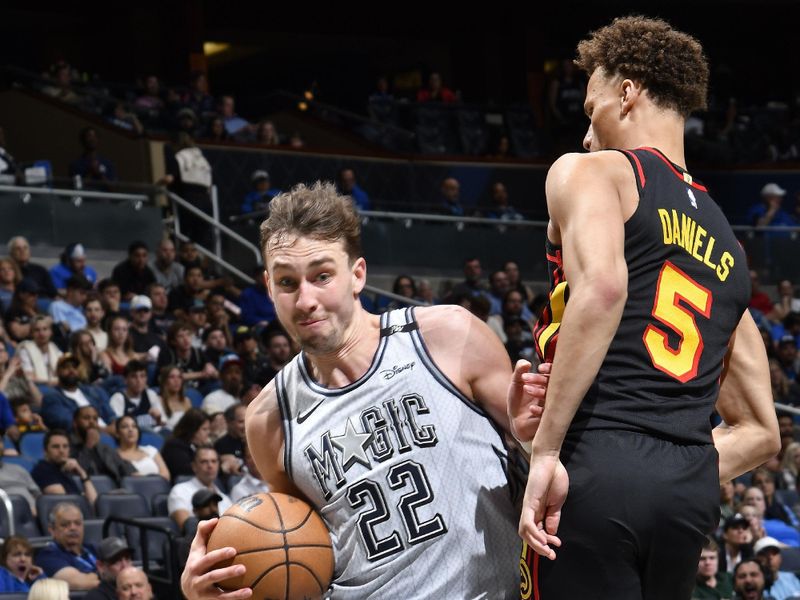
310,322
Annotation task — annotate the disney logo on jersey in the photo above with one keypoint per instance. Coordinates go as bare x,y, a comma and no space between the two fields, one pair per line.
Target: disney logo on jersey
376,434
389,373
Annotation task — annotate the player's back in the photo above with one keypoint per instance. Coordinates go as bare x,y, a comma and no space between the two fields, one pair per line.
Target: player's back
688,285
409,475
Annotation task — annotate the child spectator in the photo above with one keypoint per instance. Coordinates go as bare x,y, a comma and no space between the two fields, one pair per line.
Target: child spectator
27,420
17,571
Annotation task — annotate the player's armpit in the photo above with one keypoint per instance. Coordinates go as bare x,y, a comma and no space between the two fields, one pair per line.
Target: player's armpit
749,435
264,434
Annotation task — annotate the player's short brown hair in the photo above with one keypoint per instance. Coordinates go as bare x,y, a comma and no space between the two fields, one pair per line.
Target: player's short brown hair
670,64
318,212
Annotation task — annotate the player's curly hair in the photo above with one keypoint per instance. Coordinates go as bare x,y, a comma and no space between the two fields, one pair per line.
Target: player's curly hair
317,212
670,64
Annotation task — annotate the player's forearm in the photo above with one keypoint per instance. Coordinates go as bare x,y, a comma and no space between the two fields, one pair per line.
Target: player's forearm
590,320
742,448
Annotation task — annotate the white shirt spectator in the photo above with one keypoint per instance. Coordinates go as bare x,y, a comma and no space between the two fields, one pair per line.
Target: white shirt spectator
180,497
117,402
218,401
148,464
248,486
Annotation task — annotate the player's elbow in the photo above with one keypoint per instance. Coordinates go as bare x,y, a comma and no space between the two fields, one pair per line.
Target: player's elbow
609,293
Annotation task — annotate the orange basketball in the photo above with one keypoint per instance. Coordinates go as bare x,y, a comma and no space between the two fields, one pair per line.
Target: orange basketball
283,544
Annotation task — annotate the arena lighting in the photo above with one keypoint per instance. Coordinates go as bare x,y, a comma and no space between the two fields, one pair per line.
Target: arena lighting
212,48
308,95
302,106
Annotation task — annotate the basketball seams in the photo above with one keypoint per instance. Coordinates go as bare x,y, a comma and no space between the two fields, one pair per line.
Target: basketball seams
267,529
294,546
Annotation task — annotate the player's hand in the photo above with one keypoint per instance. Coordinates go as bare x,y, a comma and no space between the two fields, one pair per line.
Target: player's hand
548,484
199,578
525,401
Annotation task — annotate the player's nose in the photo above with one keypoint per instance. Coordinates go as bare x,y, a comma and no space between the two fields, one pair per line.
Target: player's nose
306,297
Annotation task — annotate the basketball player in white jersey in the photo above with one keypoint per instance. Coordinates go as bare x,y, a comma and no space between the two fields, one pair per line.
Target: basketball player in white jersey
393,427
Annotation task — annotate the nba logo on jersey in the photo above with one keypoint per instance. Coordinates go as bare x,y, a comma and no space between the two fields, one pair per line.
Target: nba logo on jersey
692,199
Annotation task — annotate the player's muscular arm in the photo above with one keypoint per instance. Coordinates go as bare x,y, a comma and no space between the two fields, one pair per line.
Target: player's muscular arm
583,198
470,355
584,201
749,435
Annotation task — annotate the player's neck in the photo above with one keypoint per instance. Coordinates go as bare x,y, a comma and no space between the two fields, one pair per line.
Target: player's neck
352,359
653,127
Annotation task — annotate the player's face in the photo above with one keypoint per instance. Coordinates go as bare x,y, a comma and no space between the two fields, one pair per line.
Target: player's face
315,291
603,107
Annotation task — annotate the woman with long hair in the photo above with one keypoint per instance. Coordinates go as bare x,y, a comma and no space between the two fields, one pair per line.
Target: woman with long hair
190,432
145,459
91,368
120,346
175,402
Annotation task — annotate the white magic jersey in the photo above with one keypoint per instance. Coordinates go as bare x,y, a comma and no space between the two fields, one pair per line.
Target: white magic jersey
409,475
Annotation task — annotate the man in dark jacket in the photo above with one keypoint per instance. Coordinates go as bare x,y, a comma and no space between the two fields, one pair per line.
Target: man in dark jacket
94,456
59,406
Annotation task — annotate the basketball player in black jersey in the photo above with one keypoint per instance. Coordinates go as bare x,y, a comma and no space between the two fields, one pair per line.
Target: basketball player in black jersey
624,471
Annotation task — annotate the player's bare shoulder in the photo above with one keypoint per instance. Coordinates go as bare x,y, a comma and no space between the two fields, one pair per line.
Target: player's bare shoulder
444,327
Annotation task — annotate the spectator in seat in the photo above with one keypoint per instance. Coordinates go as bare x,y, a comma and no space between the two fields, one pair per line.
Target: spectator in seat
230,446
231,392
68,313
39,356
19,250
784,584
10,276
145,341
197,373
19,317
91,166
185,295
257,308
236,126
146,460
17,571
110,297
168,271
162,320
205,467
215,131
786,353
113,555
53,473
215,345
136,400
94,313
436,92
711,584
500,208
49,589
259,197
266,134
67,558
132,584
774,508
93,455
197,98
133,275
737,543
749,581
347,186
173,398
150,100
450,203
72,263
59,405
190,433
256,369
120,346
279,350
472,284
92,369
498,288
768,211
61,89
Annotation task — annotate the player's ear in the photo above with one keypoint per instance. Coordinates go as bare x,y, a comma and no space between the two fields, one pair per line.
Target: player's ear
359,271
630,91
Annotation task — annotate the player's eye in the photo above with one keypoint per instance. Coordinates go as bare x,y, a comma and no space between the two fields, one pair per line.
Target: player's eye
286,282
323,277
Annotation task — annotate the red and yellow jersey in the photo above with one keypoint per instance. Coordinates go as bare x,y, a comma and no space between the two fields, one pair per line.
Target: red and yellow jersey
688,285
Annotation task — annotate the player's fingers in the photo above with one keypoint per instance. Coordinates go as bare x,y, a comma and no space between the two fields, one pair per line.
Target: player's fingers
551,523
533,533
536,392
243,593
545,368
207,562
210,579
204,529
522,366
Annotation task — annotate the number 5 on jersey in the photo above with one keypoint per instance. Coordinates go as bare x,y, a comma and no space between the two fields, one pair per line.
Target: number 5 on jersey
674,289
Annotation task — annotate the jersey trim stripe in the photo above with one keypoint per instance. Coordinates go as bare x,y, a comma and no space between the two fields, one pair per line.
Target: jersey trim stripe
641,180
557,305
376,360
682,176
286,419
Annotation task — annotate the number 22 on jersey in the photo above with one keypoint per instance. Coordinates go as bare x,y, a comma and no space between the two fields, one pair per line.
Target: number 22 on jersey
674,289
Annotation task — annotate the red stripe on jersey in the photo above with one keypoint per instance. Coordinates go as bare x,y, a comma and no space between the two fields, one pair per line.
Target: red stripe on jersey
678,174
642,179
535,570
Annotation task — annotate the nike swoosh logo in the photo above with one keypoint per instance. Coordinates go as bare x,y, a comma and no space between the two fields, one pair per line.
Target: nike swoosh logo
303,416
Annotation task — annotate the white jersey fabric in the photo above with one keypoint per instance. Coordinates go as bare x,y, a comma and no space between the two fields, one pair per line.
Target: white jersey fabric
410,476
